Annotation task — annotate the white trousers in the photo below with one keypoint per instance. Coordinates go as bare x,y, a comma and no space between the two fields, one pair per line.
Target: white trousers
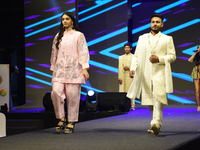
156,112
71,92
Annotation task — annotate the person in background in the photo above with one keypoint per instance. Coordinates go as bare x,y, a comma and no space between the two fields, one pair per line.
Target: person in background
123,71
69,63
196,75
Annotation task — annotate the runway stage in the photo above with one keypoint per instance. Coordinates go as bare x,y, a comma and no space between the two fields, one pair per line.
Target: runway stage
180,130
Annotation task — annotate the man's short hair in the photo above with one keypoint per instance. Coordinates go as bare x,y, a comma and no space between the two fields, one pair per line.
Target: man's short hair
128,44
157,15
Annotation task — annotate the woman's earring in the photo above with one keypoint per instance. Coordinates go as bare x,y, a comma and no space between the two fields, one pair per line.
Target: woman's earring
72,26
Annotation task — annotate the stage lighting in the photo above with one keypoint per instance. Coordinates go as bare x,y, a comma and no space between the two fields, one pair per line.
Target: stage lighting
90,93
91,101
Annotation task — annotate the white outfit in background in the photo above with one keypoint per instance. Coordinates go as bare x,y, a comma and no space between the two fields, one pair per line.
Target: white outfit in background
125,60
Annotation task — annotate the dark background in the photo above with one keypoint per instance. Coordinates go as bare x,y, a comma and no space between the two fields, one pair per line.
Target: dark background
12,49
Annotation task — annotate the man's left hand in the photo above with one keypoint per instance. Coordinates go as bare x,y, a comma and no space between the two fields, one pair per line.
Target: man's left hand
154,59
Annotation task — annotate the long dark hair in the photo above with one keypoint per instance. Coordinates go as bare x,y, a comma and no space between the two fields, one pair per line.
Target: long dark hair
62,29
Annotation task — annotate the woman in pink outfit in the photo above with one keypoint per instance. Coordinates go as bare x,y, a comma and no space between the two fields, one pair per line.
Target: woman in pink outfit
69,63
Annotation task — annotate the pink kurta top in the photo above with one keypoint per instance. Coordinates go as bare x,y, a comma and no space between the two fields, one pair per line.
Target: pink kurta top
68,62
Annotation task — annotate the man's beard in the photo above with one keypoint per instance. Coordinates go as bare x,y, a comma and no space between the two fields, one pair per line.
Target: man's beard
156,31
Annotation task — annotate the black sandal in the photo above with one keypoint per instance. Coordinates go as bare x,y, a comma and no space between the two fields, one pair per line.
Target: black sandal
68,129
59,128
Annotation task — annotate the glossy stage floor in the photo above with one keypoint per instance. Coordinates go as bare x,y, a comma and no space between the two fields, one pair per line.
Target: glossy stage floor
180,130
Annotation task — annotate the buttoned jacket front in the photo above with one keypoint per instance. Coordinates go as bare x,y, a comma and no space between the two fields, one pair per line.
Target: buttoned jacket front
149,76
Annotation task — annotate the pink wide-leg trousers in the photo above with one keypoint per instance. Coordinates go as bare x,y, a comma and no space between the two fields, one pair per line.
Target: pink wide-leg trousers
71,92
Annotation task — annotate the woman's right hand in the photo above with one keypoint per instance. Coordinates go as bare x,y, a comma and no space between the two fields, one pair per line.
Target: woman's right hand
86,74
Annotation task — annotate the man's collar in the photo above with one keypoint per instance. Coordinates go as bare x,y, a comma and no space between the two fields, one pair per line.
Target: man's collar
127,54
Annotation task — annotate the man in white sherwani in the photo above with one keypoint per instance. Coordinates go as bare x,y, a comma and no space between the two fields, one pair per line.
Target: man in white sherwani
151,71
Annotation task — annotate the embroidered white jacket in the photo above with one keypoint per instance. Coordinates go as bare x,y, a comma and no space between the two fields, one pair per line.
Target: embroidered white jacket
154,77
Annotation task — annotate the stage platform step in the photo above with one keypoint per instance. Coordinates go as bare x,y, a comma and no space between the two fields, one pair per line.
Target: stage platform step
26,120
180,131
17,126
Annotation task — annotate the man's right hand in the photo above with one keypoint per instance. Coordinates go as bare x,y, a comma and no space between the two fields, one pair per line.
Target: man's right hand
132,73
126,68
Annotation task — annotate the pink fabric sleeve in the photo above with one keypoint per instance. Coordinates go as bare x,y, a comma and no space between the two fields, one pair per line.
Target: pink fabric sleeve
83,52
54,54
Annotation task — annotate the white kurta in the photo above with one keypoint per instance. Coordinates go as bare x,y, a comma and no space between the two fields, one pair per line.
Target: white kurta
124,60
154,77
